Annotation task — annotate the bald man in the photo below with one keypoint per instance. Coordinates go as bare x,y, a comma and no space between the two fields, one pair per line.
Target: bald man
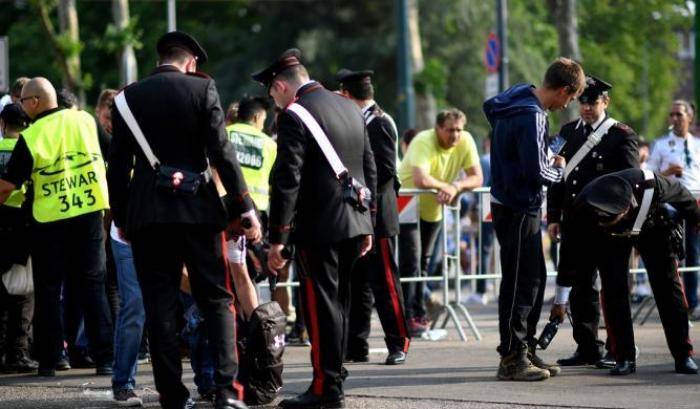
60,154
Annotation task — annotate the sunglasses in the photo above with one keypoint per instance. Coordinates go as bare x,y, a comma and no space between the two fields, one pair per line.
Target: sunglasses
21,100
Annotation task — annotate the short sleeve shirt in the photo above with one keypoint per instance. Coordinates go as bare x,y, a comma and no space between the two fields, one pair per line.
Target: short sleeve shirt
443,164
674,150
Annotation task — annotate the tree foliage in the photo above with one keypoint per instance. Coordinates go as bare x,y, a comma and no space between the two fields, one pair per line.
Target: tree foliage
631,44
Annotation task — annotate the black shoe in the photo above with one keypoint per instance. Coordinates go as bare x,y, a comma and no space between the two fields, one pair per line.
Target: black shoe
686,366
624,368
22,364
103,370
578,359
207,395
47,372
308,400
395,358
606,362
343,373
62,365
357,358
229,403
81,361
127,398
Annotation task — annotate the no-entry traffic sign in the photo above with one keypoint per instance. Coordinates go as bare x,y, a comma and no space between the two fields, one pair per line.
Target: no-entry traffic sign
492,53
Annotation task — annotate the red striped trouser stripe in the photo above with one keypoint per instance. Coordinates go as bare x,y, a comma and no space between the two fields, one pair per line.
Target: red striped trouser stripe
313,327
389,276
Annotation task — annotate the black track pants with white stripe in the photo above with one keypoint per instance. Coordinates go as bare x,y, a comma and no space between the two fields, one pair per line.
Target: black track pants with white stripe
524,277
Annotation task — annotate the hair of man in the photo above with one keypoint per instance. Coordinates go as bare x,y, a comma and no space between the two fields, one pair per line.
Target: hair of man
175,55
17,86
565,73
106,98
249,107
361,90
450,114
689,107
293,75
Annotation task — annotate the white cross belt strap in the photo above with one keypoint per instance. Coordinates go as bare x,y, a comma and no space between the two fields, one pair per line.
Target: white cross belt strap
593,139
645,206
125,111
331,155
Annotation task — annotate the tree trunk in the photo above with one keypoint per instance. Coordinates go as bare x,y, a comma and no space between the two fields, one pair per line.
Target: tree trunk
128,70
564,15
66,44
425,103
68,24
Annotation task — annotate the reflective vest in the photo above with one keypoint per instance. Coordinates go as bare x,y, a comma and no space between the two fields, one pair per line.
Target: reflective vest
256,153
7,145
69,172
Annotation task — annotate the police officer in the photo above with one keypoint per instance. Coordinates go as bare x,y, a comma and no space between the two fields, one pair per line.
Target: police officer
645,209
18,308
377,274
595,144
60,153
330,220
181,119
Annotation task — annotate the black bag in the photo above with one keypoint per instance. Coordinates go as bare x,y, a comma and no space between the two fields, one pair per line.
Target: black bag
179,181
261,346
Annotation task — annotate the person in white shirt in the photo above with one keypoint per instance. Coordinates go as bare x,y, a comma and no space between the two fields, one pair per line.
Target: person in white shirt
677,155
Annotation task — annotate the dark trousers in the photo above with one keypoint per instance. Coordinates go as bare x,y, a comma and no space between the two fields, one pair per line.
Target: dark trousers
662,268
16,312
415,251
692,259
486,252
584,252
524,277
160,253
72,250
324,270
375,281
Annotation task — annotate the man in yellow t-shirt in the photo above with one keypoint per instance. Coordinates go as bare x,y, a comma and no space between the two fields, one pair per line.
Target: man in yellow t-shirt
445,159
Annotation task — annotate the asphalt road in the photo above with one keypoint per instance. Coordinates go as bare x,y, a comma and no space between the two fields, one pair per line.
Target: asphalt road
438,374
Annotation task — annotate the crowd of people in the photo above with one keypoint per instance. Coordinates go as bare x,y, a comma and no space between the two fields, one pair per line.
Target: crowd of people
146,227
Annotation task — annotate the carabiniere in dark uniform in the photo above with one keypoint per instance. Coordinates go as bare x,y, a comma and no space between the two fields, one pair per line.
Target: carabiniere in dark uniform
583,250
646,210
313,208
375,279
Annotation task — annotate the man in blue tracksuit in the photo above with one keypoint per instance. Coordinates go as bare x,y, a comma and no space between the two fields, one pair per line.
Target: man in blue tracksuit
520,166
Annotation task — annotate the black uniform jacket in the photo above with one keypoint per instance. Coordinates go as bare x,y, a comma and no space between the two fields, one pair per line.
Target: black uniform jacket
617,150
305,193
382,138
666,191
183,122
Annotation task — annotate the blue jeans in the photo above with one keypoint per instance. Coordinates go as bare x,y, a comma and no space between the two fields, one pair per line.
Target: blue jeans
692,259
201,354
130,321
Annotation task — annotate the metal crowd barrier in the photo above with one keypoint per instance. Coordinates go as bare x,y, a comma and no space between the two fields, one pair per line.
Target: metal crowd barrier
451,261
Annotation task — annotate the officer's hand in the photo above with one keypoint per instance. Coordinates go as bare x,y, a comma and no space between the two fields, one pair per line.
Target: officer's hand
447,194
559,161
366,245
275,261
554,231
673,169
254,232
558,312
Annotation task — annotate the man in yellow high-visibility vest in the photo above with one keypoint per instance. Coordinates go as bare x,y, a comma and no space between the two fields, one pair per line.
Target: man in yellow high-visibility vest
60,154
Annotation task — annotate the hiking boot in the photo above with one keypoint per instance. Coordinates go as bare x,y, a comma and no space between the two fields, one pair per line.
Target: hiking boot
553,369
127,398
516,367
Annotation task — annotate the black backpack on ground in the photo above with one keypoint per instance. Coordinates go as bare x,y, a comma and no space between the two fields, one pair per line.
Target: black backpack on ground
261,346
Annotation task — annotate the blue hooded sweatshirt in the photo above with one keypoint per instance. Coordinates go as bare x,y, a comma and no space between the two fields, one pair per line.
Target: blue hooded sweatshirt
519,162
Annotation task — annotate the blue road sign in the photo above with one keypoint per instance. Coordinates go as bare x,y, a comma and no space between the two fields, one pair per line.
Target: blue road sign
492,55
